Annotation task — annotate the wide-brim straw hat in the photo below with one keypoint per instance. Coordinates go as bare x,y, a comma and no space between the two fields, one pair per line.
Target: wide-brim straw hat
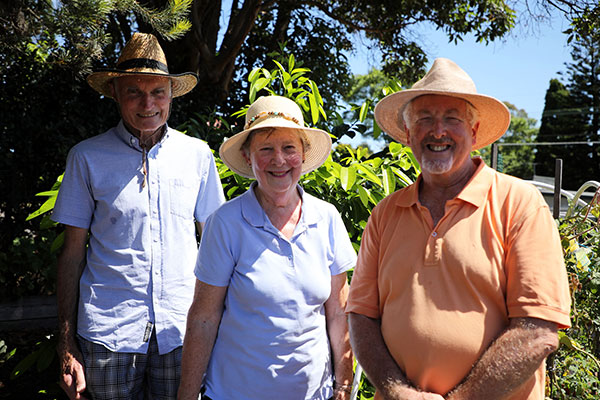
280,113
447,79
142,55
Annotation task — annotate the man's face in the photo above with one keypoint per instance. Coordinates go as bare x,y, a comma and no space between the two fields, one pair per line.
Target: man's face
144,101
440,135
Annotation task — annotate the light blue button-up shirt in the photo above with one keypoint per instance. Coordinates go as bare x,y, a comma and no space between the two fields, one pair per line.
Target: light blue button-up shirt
139,273
272,341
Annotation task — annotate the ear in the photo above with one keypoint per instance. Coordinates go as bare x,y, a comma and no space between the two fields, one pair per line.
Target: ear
407,133
113,91
246,156
475,129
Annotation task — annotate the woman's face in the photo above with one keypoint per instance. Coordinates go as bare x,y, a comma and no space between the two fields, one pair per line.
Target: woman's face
276,157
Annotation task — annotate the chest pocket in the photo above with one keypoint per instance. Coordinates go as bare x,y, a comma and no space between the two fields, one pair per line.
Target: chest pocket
183,195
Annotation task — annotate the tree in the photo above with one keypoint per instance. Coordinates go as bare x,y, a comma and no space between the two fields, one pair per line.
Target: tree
572,114
513,158
46,107
325,28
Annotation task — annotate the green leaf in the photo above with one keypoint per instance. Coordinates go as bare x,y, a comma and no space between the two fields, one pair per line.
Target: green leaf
314,110
369,174
47,206
363,112
403,177
257,87
389,182
364,196
348,177
57,243
253,75
279,66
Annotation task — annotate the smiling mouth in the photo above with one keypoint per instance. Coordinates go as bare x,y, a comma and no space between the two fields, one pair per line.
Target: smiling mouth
438,147
148,115
278,174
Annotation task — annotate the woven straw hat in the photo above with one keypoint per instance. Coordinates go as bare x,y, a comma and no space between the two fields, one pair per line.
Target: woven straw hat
281,113
142,55
447,79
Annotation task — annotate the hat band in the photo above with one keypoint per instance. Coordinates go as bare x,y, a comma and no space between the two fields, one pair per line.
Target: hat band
271,114
142,63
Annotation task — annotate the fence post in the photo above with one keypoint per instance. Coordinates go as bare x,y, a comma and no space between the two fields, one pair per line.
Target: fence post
495,156
558,165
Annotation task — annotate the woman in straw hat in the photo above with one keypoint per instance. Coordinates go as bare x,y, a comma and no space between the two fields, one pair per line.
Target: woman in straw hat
136,190
268,318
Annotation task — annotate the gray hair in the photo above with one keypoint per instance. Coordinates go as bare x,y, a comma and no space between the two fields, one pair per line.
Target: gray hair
472,113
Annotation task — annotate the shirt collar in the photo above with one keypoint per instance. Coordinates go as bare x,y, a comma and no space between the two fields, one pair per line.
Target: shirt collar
131,140
254,214
474,192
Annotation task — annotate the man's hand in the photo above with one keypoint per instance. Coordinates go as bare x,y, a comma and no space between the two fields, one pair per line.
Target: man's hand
72,379
405,393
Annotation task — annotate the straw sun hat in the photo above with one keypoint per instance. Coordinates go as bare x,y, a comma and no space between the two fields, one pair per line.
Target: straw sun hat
281,113
447,79
142,55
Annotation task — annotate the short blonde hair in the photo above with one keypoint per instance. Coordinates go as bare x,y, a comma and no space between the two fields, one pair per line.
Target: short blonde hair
245,147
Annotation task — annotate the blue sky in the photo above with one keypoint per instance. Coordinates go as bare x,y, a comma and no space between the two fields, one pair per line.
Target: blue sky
517,69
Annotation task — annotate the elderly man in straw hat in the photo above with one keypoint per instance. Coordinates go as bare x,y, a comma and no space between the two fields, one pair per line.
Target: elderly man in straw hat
460,285
137,189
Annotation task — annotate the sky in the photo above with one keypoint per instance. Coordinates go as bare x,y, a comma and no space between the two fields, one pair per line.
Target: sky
517,69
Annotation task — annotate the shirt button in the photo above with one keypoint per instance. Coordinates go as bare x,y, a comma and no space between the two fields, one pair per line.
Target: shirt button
434,234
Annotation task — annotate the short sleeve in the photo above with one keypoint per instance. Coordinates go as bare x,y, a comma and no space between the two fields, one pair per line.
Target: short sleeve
75,202
344,255
210,196
215,261
364,291
537,283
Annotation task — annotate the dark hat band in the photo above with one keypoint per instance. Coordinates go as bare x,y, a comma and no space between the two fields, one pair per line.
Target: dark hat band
142,63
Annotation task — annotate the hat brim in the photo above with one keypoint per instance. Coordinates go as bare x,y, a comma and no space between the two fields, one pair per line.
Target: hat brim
100,80
320,148
494,116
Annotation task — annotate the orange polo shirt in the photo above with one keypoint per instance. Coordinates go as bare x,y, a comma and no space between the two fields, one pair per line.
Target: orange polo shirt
444,293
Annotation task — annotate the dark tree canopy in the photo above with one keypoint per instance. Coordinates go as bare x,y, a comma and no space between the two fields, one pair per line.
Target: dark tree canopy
564,121
48,47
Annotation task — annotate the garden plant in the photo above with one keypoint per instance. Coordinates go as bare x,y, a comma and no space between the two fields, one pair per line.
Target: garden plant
355,180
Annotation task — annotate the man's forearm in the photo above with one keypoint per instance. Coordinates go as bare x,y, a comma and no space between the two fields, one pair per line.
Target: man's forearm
69,268
380,367
510,361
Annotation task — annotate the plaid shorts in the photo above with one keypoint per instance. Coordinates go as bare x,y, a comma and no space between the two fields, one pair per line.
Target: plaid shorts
130,376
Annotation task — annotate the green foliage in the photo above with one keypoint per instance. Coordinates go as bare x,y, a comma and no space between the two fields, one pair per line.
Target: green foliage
514,158
41,358
572,114
574,371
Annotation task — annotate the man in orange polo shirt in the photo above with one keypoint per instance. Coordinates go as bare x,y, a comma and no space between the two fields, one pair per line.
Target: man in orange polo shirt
460,285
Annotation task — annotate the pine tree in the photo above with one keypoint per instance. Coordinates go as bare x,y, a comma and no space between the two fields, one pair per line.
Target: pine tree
572,114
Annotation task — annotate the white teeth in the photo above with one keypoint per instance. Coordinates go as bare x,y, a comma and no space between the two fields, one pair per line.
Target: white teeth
438,148
148,115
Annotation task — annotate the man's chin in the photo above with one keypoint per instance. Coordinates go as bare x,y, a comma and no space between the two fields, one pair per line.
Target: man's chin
436,167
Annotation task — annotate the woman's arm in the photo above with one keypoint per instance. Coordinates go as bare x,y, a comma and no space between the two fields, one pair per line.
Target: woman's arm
203,322
337,329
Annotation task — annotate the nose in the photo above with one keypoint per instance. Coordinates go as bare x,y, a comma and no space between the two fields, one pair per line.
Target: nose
147,101
278,157
439,128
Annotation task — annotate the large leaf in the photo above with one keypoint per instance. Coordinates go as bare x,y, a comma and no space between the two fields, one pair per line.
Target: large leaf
348,177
